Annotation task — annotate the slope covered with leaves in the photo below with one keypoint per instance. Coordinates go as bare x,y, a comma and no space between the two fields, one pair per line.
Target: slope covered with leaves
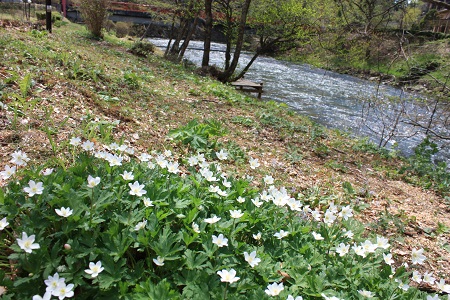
64,85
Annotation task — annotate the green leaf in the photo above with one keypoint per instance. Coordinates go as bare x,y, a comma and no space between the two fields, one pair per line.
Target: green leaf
149,291
25,85
196,291
168,243
194,260
2,196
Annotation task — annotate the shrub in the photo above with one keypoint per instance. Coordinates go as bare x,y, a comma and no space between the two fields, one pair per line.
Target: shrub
142,49
42,15
94,13
110,26
122,29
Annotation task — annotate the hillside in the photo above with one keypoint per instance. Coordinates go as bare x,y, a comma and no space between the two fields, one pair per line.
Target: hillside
57,86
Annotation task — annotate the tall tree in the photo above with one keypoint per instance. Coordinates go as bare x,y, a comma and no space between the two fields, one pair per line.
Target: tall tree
186,13
208,29
282,22
227,73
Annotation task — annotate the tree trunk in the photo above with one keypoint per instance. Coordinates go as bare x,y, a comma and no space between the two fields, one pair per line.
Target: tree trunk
208,30
229,35
184,25
166,53
226,74
249,64
187,39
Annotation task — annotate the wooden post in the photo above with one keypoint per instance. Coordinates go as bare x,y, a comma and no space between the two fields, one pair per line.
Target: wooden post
64,8
48,15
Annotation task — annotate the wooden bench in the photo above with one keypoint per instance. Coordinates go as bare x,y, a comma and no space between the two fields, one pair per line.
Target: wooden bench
248,86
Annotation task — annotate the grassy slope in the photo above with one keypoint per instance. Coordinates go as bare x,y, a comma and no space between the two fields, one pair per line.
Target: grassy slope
76,80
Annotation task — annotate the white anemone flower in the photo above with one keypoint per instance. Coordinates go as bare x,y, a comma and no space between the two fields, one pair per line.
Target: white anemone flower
359,250
317,236
94,269
222,154
274,289
34,188
342,249
346,212
75,141
159,261
192,161
47,171
428,278
144,157
316,214
257,236
290,297
26,243
368,246
281,234
220,240
228,276
417,256
366,294
137,189
87,146
127,175
47,296
140,225
268,179
63,291
252,259
19,158
240,199
416,277
195,227
172,167
236,214
3,223
8,172
147,202
93,182
64,212
442,286
212,220
329,217
256,202
53,281
382,242
388,258
254,163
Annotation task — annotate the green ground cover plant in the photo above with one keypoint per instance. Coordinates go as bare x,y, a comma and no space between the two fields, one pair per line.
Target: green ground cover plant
119,224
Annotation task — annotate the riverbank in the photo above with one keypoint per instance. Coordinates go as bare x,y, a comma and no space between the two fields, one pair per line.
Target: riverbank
65,84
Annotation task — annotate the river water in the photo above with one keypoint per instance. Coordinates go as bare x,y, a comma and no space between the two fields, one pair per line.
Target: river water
331,99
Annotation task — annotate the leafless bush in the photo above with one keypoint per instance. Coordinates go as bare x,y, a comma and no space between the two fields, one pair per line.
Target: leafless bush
94,13
122,29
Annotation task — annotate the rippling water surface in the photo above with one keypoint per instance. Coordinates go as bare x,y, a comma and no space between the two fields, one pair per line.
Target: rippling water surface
329,98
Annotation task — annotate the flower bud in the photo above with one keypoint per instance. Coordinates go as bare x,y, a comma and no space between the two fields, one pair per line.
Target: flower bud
67,247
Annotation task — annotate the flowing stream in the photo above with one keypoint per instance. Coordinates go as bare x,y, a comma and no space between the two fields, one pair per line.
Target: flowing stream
331,99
